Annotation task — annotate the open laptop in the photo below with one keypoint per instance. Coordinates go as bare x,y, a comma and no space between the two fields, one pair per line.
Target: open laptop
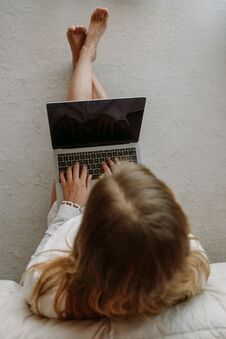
91,131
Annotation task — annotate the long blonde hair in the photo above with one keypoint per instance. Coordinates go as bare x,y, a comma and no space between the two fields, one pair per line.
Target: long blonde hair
131,254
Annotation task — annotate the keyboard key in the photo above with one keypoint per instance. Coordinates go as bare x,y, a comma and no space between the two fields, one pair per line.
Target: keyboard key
92,159
61,163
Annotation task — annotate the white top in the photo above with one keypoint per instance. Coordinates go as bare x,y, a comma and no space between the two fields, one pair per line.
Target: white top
60,234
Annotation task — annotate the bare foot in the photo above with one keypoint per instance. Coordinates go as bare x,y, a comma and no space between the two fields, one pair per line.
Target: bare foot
76,37
97,27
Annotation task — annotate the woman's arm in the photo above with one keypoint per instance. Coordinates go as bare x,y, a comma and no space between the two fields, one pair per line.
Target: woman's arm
76,190
64,214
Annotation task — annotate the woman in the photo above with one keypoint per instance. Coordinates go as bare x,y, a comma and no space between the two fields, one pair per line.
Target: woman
130,252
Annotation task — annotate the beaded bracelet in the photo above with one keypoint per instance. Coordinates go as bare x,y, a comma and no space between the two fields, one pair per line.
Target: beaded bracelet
72,204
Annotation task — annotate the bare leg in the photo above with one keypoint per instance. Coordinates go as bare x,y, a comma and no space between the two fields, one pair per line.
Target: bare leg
76,37
81,82
84,84
98,90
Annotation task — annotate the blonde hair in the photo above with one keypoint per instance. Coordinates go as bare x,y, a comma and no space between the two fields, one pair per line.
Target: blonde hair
131,254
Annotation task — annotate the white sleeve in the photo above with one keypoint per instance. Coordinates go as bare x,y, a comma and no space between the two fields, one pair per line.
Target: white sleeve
64,214
64,227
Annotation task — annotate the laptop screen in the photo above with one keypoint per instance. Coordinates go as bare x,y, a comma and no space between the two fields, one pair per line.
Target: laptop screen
95,122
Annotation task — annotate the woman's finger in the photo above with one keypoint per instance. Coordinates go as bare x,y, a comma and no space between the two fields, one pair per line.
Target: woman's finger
106,169
62,179
117,161
111,164
76,171
84,173
89,183
69,174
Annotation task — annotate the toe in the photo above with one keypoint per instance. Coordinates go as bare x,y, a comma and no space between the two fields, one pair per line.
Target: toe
70,30
94,12
94,16
99,15
106,13
103,13
77,29
83,30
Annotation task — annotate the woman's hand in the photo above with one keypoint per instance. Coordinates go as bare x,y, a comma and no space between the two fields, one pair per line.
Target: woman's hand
108,170
76,189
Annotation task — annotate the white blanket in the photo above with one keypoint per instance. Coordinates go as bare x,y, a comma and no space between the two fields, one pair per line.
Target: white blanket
202,317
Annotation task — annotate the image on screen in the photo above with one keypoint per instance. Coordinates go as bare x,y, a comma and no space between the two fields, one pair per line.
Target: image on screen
95,122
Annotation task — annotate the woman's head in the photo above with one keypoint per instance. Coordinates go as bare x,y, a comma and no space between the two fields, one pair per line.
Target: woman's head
132,240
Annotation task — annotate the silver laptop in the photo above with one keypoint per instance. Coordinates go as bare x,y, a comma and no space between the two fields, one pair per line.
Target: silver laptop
92,131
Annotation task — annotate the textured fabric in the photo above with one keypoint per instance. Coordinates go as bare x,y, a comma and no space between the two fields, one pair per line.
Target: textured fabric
202,317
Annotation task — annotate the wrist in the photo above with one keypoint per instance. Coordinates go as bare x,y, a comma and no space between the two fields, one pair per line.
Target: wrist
74,199
73,204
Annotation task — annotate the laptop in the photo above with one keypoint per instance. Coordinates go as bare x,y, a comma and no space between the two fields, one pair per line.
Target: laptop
93,130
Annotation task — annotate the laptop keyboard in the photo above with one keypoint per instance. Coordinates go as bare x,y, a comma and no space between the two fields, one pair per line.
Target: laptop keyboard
93,159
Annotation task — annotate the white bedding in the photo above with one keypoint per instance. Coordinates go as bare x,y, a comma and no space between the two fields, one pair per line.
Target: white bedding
202,317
